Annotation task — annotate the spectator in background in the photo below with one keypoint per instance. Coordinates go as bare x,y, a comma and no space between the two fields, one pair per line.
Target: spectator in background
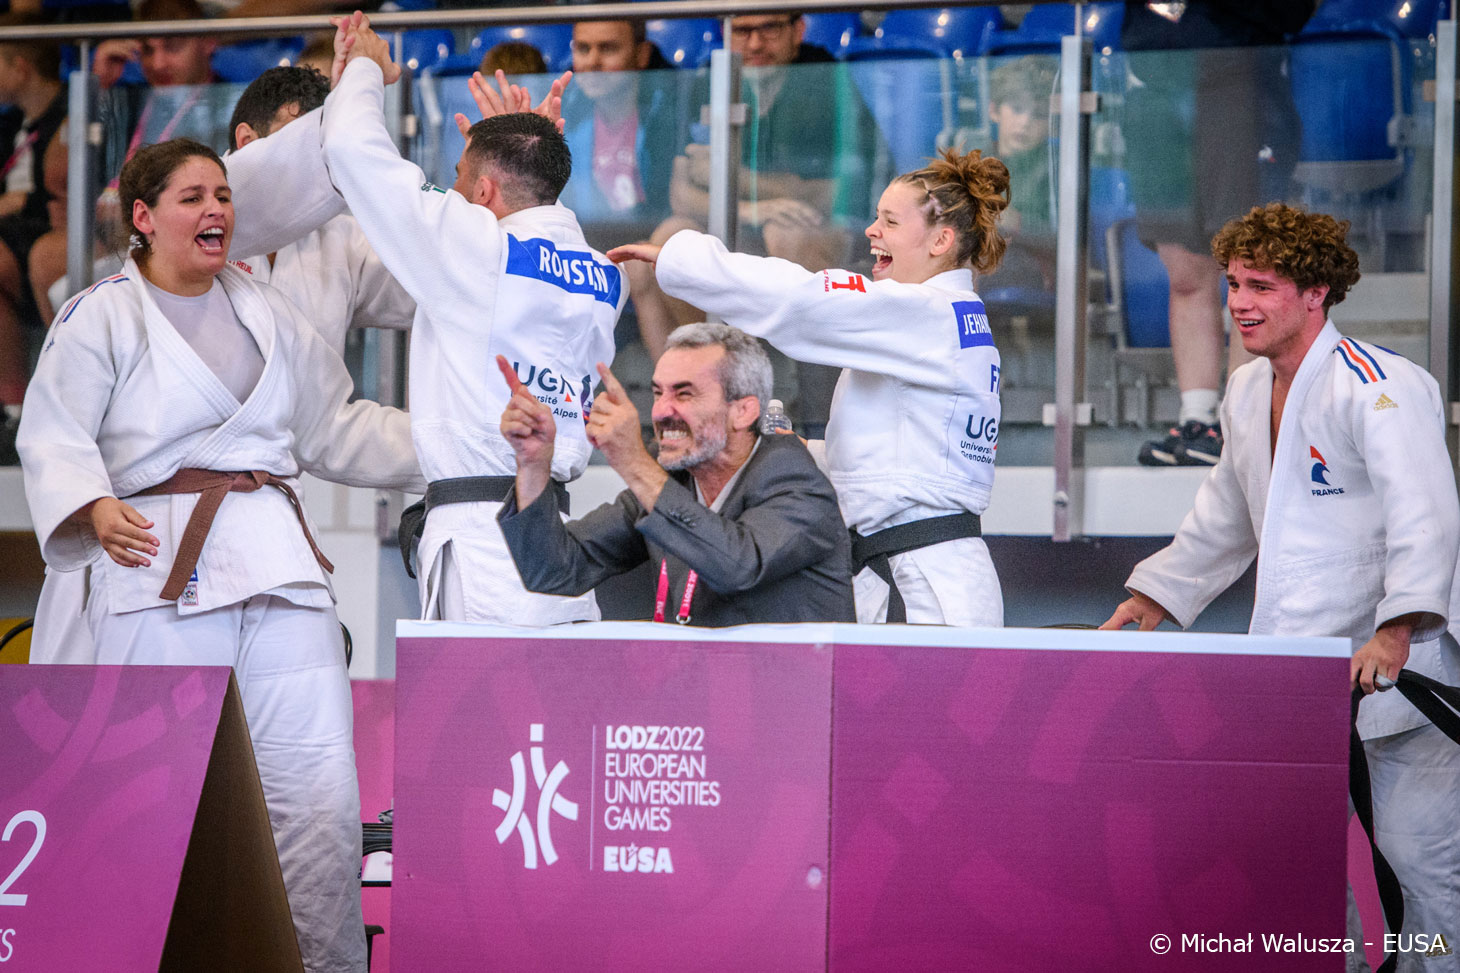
620,128
1019,108
514,58
788,180
1216,132
318,53
179,99
30,74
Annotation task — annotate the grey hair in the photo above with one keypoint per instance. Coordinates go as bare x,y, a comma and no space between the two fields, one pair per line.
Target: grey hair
746,368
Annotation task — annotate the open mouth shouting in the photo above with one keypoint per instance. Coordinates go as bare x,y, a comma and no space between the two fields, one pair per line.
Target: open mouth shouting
211,240
881,261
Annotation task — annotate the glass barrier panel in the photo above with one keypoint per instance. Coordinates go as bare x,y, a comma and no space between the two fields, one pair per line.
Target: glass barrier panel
1186,140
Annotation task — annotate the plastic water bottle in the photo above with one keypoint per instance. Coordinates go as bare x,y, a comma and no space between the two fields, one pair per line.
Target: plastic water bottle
775,419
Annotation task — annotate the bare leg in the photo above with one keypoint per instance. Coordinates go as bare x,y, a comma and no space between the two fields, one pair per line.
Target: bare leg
47,265
14,361
659,313
1196,317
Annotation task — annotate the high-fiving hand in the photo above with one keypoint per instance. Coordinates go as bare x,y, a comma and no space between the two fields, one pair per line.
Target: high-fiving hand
513,98
355,39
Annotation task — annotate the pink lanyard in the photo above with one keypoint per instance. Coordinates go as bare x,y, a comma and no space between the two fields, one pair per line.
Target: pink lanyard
661,596
20,150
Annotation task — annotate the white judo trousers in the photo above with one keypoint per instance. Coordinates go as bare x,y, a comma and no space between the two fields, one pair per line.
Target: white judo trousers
915,417
290,665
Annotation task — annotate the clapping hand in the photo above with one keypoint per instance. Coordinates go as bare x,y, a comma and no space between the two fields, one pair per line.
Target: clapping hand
511,98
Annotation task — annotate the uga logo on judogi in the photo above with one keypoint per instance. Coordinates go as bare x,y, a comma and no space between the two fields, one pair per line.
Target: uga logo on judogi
973,324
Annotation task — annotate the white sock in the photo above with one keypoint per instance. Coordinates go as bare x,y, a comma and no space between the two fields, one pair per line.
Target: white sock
1199,404
13,412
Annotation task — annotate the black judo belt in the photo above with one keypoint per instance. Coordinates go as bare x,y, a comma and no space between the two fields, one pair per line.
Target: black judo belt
875,550
459,489
1439,703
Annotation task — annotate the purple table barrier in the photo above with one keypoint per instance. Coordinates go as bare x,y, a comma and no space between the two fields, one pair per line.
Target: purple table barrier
133,834
1052,801
566,804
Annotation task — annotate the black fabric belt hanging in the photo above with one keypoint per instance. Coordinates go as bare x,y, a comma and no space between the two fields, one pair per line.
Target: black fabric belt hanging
1439,703
459,489
874,550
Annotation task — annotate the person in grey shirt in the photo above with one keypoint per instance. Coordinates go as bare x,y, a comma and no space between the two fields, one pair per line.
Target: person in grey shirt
744,528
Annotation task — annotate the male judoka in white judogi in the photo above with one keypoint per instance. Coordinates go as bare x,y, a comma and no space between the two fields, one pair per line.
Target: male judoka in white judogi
915,418
1353,518
322,263
495,267
120,402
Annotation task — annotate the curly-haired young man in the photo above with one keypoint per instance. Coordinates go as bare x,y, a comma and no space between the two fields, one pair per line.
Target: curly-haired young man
1336,471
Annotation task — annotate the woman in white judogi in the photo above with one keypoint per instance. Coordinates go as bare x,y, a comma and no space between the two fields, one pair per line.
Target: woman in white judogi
153,381
915,418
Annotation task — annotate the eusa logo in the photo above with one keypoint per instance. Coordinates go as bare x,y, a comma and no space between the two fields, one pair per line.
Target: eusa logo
630,858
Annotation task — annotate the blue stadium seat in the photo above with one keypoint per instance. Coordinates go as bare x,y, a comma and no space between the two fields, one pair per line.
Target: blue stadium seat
1138,289
241,63
1042,29
1351,80
423,49
953,31
833,31
684,43
910,93
553,41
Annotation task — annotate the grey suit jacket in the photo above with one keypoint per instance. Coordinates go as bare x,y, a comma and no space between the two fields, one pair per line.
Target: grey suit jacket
776,552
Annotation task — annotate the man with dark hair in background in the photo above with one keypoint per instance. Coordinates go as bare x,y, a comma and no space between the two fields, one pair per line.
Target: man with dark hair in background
621,128
30,73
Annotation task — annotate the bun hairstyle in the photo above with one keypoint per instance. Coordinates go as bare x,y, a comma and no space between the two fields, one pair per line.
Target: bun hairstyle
145,176
966,191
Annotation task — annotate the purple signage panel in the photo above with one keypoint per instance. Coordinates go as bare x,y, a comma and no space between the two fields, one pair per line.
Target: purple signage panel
102,771
610,805
999,809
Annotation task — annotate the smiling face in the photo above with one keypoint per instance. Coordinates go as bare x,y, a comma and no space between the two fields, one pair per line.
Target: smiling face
905,247
1275,319
188,229
692,419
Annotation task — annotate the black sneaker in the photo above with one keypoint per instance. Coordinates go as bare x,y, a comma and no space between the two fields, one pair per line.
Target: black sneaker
1201,444
1193,443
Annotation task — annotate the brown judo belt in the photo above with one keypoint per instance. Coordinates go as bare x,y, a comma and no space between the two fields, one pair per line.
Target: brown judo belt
213,485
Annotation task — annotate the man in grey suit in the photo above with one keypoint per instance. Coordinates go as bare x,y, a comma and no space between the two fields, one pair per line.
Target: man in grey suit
744,528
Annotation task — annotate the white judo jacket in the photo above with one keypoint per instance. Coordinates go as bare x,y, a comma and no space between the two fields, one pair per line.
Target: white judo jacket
121,402
1353,518
322,261
527,287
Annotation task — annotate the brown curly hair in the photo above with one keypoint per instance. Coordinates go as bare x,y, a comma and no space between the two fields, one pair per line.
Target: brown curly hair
967,192
1307,248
